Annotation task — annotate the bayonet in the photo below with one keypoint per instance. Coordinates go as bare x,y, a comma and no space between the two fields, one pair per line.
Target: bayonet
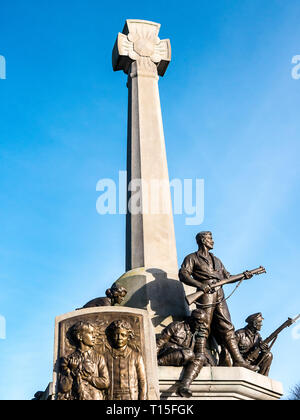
295,319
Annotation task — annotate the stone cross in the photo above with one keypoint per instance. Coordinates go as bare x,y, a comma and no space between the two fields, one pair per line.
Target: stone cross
143,56
150,236
139,43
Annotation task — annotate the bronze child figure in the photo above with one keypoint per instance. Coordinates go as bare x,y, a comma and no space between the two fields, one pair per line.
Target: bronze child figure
83,374
125,364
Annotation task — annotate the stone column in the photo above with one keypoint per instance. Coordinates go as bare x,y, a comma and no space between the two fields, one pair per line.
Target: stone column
150,237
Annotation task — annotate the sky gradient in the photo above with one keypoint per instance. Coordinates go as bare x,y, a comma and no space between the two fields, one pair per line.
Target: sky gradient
231,117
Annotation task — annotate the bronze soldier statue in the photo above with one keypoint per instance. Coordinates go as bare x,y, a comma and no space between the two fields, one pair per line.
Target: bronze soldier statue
125,364
83,374
114,295
202,270
249,338
183,343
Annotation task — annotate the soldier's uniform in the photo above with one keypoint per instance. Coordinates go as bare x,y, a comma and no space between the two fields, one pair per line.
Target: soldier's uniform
207,271
179,345
176,344
248,339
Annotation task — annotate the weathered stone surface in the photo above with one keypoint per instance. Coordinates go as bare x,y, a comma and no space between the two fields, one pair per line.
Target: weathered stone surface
150,235
138,41
221,383
158,292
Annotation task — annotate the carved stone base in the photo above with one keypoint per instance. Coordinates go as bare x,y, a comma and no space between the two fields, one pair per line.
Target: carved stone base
221,383
103,360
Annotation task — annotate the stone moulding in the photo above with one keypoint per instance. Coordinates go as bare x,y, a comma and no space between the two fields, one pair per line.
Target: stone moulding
221,383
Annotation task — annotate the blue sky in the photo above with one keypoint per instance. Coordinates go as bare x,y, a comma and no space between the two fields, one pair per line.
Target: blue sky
231,116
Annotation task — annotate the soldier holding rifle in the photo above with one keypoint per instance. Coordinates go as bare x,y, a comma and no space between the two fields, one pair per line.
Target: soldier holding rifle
205,272
253,348
249,338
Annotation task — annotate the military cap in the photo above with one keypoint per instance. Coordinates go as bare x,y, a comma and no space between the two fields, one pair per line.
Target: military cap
253,317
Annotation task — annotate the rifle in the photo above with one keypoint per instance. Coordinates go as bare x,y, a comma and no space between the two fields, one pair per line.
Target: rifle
253,355
233,279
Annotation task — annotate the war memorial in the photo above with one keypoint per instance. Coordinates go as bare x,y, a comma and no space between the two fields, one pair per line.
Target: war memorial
162,332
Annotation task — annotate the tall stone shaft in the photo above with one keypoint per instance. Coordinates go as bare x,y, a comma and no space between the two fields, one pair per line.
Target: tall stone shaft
150,237
151,277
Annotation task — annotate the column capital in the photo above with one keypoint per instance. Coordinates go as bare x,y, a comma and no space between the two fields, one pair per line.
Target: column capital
139,42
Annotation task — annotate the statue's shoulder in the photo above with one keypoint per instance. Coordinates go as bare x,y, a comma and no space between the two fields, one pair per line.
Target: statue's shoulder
258,336
191,257
216,258
178,325
174,326
96,354
134,351
240,331
101,301
219,265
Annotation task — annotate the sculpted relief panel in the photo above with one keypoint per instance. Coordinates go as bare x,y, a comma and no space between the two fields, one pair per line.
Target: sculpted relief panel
102,356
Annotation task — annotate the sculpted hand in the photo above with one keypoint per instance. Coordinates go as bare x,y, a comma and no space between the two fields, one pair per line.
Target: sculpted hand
264,347
89,379
212,286
206,289
86,375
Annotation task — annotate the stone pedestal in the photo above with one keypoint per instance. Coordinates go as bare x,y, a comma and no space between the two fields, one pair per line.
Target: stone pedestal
160,293
221,383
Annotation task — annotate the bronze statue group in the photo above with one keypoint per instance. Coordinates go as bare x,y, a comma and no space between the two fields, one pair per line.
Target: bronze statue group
185,343
205,338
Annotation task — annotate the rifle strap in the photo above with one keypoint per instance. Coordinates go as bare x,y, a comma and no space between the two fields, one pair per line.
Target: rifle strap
210,305
273,342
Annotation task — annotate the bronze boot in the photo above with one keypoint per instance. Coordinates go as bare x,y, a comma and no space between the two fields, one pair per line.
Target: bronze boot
191,372
192,369
238,360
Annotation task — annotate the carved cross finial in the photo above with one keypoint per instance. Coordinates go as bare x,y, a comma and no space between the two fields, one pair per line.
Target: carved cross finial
139,42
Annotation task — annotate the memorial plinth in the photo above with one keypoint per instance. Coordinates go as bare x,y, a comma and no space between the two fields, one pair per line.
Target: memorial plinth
220,383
